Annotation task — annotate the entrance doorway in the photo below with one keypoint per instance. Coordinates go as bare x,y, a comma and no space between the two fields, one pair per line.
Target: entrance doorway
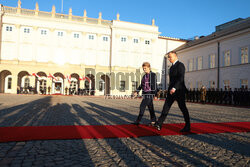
58,88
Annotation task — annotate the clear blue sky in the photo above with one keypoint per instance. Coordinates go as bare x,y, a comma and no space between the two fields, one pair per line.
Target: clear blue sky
175,18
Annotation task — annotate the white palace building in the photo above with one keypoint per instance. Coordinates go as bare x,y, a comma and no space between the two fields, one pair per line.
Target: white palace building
221,59
57,51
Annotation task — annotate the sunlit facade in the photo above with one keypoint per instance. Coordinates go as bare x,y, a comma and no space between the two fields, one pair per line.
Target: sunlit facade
221,59
53,53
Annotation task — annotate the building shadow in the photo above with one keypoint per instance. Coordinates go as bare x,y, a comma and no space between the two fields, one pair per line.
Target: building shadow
118,143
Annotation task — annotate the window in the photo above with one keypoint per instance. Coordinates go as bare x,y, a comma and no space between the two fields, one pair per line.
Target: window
199,84
211,84
91,37
244,55
8,28
190,65
26,82
123,39
105,39
212,61
190,85
60,33
43,32
9,83
226,83
26,30
101,85
76,35
147,42
199,63
136,40
86,84
227,58
134,85
244,83
122,86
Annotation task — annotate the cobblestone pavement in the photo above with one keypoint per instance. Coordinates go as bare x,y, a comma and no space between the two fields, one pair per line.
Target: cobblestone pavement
224,149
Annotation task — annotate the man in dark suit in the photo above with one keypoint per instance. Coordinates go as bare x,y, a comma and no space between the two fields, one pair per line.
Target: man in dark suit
176,91
149,91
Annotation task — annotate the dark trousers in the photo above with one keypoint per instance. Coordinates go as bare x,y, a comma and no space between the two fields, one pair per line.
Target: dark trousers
147,101
180,98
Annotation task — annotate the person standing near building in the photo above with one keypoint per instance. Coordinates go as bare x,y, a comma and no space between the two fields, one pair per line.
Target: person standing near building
203,94
149,91
176,91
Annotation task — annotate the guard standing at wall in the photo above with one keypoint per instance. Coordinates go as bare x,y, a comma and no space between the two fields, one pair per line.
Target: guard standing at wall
203,93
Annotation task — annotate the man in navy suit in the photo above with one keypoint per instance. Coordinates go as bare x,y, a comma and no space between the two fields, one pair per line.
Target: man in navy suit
176,91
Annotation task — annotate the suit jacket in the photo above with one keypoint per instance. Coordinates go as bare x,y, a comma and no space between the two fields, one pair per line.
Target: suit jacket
152,82
176,76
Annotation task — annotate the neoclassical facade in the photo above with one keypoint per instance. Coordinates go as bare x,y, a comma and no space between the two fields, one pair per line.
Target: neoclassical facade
51,52
221,59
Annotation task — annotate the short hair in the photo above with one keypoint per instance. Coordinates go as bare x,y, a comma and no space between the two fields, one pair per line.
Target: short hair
173,52
147,64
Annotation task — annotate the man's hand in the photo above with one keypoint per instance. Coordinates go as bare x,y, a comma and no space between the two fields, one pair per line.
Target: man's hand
172,91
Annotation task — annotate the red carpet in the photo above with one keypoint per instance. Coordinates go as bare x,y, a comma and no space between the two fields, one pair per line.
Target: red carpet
27,133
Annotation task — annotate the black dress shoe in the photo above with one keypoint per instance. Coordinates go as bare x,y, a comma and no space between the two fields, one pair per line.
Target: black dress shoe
185,129
158,126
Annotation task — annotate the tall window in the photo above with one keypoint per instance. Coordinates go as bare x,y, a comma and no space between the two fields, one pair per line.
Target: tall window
123,39
26,82
190,64
60,33
199,63
122,86
244,55
227,58
226,83
8,28
26,30
211,84
91,37
101,85
43,32
212,61
190,85
244,83
9,83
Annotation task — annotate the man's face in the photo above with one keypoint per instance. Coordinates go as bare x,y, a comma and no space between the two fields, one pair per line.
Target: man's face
146,69
172,57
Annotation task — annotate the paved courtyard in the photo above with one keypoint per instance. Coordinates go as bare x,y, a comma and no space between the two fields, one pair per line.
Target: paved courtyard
224,149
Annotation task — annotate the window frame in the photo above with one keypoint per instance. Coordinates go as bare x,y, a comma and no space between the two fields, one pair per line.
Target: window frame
105,38
246,55
226,57
90,37
76,35
122,86
9,28
26,30
124,39
147,42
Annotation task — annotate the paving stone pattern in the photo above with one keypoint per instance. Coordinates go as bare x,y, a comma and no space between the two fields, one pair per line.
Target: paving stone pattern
224,149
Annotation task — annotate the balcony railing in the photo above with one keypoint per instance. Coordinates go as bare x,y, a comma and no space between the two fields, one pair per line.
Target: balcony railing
29,12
